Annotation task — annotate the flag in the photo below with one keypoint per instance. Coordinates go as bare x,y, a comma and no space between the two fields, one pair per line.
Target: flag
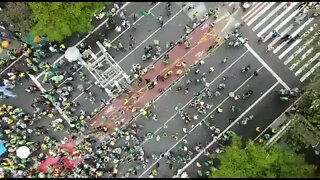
145,13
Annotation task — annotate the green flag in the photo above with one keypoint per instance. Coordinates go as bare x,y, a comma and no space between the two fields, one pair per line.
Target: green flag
145,13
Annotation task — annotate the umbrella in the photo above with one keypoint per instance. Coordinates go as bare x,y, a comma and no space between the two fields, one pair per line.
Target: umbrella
72,54
5,44
57,78
117,150
23,152
184,175
2,148
231,94
37,39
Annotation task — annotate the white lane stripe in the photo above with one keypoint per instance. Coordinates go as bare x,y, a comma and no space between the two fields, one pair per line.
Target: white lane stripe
266,66
157,98
282,34
289,49
304,77
126,4
11,65
269,15
299,50
37,83
171,118
294,65
293,35
252,10
276,20
148,66
151,35
253,7
260,13
307,64
229,127
122,7
199,123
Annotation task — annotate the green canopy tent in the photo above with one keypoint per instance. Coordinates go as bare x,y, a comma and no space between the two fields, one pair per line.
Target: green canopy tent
30,39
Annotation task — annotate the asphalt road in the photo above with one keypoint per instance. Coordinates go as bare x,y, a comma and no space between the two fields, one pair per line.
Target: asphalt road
264,104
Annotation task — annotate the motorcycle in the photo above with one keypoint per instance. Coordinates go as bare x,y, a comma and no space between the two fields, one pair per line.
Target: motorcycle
247,94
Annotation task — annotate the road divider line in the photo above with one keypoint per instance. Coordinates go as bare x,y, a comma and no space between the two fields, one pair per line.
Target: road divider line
298,61
122,7
295,54
288,109
304,77
199,123
257,10
266,66
307,64
269,15
281,35
154,62
11,65
294,34
229,127
151,35
260,13
277,19
252,8
37,83
176,113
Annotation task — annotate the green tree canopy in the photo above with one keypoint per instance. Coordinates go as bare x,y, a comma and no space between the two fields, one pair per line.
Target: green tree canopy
252,160
59,20
19,15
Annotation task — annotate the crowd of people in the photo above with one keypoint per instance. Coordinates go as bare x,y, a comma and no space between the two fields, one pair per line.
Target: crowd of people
103,157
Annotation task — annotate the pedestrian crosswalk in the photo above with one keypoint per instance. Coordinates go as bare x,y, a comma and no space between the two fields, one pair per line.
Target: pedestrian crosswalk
289,31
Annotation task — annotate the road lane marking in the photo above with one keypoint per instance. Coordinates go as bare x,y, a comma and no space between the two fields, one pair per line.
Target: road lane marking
11,65
253,10
281,35
254,6
294,44
151,35
277,19
304,77
126,4
293,34
269,15
266,66
294,65
81,94
176,80
168,50
232,124
122,7
176,113
199,123
37,83
257,10
260,13
307,64
295,54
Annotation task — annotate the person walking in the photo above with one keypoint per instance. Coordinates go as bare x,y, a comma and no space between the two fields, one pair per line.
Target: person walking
160,20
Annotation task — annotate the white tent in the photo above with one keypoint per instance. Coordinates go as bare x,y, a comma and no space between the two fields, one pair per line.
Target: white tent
72,54
23,152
